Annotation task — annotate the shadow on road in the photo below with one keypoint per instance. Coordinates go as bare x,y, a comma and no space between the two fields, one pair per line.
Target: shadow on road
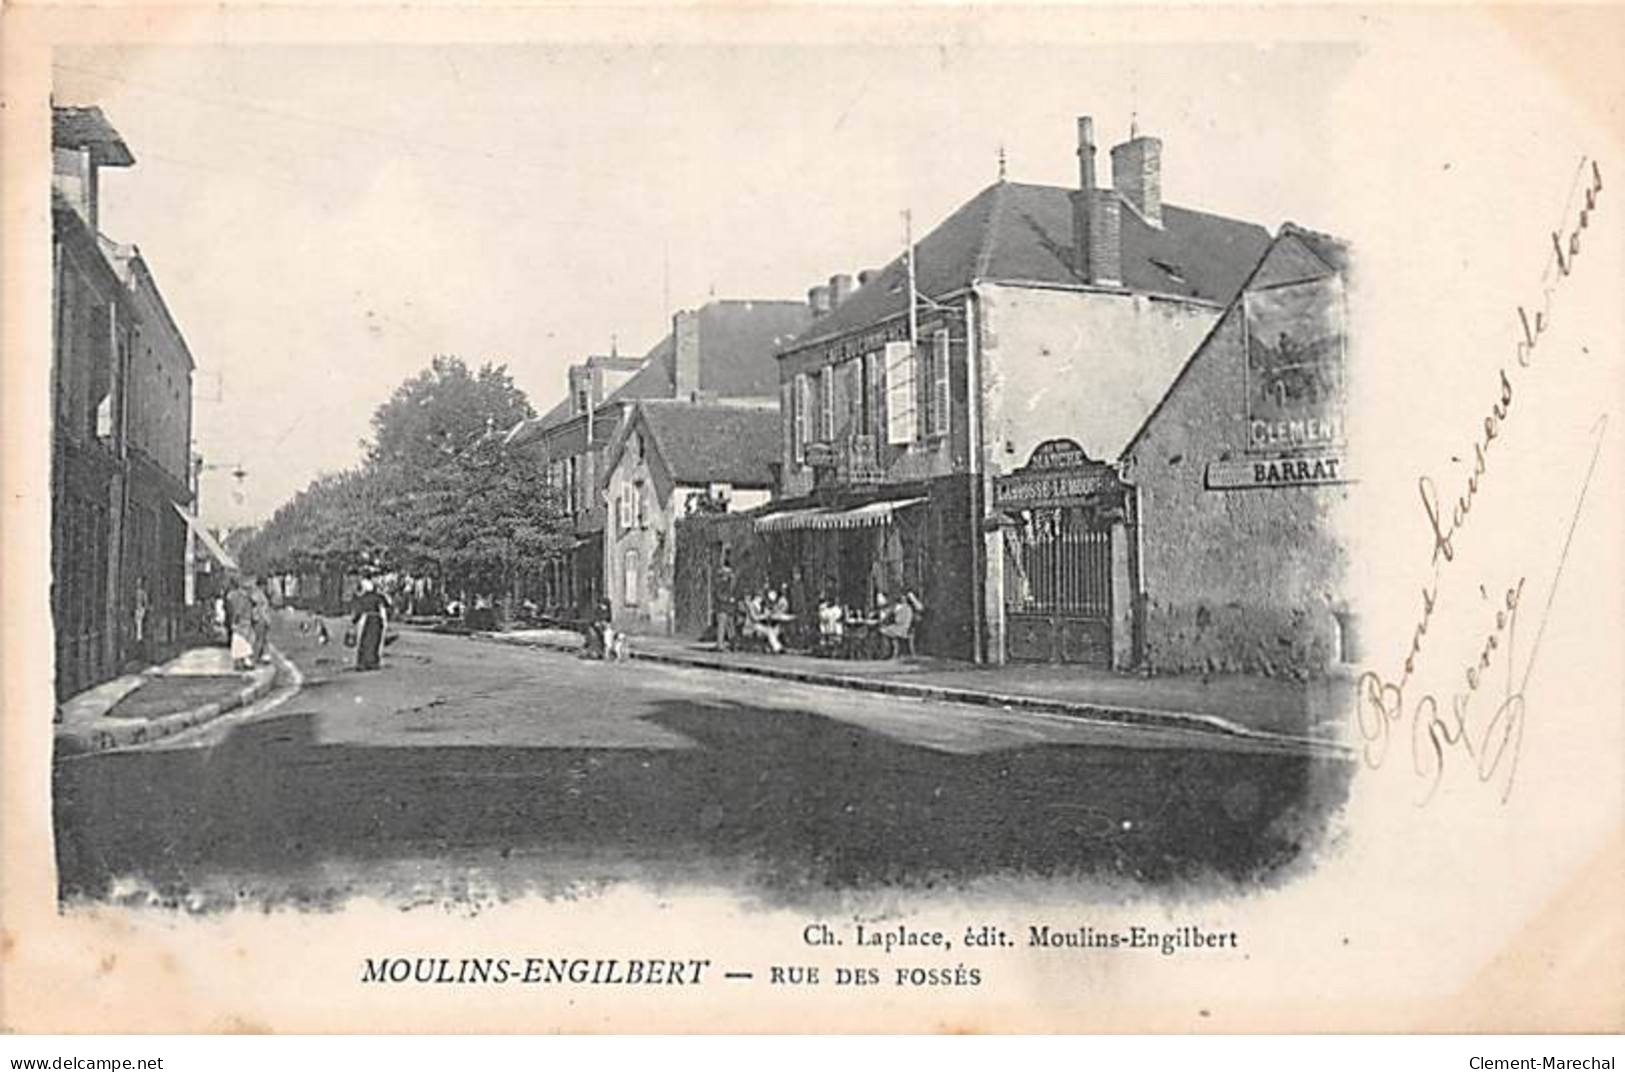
791,803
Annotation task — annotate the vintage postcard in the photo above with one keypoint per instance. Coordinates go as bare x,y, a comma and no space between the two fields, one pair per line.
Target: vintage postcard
830,518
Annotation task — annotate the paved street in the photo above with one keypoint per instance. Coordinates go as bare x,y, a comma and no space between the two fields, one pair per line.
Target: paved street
467,765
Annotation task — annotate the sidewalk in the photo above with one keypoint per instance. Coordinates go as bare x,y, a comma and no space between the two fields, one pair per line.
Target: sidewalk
1312,712
196,687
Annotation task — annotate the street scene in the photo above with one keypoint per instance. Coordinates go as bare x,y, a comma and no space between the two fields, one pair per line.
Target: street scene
1014,556
485,769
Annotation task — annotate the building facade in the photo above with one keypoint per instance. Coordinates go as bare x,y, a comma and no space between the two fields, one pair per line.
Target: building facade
1238,481
722,350
121,380
675,458
962,445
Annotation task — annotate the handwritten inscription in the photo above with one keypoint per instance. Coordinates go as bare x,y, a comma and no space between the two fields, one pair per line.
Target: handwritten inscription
1460,724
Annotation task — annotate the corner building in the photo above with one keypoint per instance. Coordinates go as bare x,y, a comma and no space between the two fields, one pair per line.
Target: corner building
968,452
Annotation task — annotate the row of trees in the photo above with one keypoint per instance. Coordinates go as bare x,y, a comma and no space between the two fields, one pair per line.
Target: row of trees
437,494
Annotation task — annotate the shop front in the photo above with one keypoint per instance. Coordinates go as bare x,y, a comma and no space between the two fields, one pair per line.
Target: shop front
894,541
1061,516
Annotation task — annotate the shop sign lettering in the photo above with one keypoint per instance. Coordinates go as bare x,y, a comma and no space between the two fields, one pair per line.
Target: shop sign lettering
1278,472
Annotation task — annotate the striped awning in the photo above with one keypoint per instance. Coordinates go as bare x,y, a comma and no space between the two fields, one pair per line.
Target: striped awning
855,517
205,537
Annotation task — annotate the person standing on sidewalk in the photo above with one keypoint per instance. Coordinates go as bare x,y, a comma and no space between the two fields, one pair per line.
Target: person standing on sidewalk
260,619
143,605
724,604
240,613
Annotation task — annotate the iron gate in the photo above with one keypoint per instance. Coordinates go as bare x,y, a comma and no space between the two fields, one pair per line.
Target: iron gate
1058,591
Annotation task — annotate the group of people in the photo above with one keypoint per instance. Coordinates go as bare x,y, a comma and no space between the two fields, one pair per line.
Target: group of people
765,617
895,621
244,609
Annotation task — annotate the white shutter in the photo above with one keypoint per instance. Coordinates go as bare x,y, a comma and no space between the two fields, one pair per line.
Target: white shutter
803,398
900,410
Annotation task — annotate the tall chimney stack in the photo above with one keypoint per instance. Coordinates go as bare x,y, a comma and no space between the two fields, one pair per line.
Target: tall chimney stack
1137,175
818,299
1086,153
840,289
1096,222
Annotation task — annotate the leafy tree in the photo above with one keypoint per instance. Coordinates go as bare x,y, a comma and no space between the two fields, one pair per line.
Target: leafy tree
437,494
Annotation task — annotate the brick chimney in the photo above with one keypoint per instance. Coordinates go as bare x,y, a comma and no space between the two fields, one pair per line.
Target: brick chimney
840,289
685,333
1137,175
818,299
1097,241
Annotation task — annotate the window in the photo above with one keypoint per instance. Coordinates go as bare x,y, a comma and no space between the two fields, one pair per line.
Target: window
900,410
826,406
629,593
874,374
803,430
855,397
571,476
640,506
936,386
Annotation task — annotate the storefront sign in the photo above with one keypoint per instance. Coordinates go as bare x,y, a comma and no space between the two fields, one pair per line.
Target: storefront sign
820,455
1057,473
1057,454
1279,472
1295,393
1020,490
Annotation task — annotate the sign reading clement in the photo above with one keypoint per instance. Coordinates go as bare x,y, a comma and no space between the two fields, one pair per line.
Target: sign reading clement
1058,472
1295,396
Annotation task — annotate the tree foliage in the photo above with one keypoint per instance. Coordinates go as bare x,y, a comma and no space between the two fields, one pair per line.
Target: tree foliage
436,495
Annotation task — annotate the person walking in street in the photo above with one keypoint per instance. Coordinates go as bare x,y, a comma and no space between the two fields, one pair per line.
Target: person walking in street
259,619
372,615
240,613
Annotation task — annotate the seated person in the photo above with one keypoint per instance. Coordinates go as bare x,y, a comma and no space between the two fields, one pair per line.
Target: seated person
758,621
897,619
778,604
831,621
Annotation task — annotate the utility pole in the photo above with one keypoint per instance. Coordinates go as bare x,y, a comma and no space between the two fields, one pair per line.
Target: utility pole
913,311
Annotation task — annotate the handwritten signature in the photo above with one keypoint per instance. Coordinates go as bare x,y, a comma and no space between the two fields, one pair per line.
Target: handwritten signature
1455,726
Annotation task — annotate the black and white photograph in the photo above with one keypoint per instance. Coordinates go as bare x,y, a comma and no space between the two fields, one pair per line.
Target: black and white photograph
918,502
560,537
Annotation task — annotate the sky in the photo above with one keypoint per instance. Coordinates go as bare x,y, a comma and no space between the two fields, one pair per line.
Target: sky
323,220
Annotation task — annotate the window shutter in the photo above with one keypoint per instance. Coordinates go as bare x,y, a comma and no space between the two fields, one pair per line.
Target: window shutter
826,409
787,419
940,392
803,397
875,363
900,410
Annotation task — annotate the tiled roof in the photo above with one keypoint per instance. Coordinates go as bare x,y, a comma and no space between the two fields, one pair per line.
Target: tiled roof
738,341
712,441
1329,248
1022,233
88,128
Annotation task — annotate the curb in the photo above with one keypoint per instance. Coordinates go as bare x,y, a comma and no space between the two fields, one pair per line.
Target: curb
1214,725
105,734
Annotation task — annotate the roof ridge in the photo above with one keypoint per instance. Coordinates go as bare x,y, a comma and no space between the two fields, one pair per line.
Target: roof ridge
724,401
990,228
